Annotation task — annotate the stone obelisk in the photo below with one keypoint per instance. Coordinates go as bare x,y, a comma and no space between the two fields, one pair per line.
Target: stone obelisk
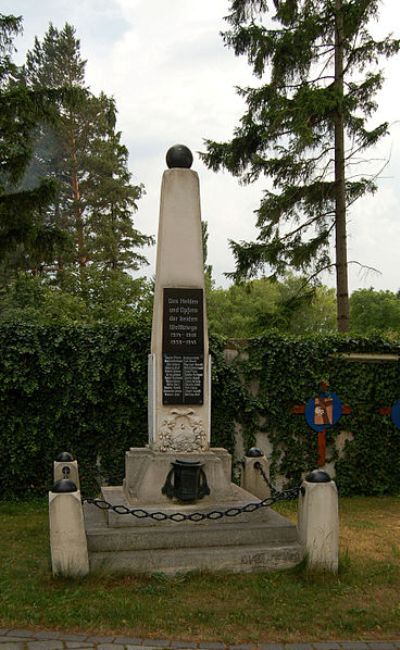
179,368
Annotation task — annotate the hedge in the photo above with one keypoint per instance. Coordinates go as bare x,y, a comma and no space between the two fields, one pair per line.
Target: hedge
84,390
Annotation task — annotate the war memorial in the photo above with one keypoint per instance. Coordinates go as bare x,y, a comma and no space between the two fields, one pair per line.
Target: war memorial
178,509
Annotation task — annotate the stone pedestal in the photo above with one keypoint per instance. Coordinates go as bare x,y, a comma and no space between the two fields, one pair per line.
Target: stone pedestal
318,525
69,553
251,478
146,471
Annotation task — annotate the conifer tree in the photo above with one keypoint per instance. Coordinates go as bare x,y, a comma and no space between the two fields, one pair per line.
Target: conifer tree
303,128
22,210
83,152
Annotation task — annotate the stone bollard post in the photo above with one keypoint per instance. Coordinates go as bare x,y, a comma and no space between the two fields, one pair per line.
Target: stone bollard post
251,478
68,544
318,521
66,467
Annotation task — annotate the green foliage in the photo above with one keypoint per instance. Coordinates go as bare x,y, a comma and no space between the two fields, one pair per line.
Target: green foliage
22,210
316,62
84,389
87,297
289,371
374,311
252,308
231,402
83,153
65,190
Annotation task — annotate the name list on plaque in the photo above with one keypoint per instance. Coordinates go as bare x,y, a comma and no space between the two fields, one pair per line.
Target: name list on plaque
183,346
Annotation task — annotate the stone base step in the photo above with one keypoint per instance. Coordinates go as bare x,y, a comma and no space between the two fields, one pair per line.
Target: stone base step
234,545
272,529
231,559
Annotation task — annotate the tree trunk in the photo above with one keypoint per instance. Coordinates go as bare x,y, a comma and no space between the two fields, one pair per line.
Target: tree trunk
342,284
76,194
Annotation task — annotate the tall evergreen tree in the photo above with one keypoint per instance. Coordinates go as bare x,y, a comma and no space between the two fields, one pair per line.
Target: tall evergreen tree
83,152
303,128
22,209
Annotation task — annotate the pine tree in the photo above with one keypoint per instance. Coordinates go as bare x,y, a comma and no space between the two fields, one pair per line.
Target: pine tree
22,209
109,196
303,128
84,154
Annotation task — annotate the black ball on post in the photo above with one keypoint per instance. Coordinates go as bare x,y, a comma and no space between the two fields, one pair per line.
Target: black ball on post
318,476
254,452
65,457
179,156
64,485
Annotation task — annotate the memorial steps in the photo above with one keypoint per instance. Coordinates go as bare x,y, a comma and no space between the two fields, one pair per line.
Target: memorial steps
258,541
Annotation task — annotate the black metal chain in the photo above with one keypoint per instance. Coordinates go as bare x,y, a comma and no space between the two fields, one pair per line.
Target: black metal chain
259,467
177,517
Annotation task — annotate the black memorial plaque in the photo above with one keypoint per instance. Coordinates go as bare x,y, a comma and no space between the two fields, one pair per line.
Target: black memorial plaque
183,346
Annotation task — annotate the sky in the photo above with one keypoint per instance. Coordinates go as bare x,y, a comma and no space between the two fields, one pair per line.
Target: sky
173,80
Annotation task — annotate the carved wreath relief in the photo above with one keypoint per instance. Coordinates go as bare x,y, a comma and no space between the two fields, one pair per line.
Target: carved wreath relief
182,431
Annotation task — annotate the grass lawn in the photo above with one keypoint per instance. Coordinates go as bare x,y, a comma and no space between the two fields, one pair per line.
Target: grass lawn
362,602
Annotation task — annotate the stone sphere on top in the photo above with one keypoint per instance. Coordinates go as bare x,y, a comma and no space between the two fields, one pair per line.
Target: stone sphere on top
179,156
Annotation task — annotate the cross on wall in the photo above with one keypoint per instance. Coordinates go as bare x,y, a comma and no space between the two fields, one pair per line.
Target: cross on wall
321,413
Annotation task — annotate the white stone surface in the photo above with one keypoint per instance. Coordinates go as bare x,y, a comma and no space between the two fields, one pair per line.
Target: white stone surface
251,478
318,525
69,553
179,265
146,471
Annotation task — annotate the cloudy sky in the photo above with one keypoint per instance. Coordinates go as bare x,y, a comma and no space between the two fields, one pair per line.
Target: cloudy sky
173,81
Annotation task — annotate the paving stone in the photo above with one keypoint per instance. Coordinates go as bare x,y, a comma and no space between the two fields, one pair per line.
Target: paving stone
327,645
45,645
163,643
11,646
181,644
212,646
47,634
3,631
99,639
14,639
4,638
130,639
110,646
134,647
243,646
271,646
380,645
72,637
22,633
354,645
298,646
78,645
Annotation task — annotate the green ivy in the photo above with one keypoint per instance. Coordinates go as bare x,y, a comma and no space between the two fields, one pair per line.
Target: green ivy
84,389
80,389
289,371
